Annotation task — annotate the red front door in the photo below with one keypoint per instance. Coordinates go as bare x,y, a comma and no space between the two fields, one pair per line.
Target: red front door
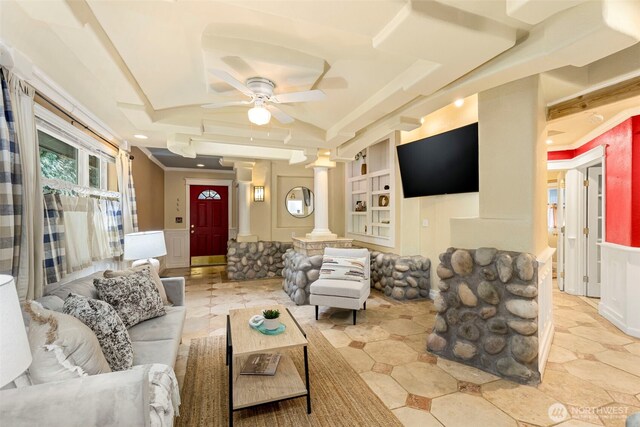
209,226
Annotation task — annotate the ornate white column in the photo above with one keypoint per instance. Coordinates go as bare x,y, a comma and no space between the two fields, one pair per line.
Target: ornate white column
321,200
244,176
244,209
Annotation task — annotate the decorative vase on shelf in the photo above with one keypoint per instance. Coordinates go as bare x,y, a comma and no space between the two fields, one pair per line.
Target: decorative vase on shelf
363,169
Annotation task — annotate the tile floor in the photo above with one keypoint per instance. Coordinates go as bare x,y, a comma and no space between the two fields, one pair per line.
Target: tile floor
593,368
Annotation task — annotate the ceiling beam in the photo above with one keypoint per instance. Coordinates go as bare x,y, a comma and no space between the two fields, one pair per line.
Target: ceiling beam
608,95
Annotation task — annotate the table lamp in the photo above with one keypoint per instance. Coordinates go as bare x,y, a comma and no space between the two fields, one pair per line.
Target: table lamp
143,247
15,354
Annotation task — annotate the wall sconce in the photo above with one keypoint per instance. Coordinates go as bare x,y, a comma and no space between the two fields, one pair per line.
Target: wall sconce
258,193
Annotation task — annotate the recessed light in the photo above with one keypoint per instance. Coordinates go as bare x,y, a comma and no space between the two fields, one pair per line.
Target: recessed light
459,102
549,141
200,165
140,136
422,121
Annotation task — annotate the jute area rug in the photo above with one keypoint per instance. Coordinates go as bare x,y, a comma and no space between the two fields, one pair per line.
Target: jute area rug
339,397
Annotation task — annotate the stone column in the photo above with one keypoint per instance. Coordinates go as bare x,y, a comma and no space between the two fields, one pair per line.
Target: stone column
321,200
512,198
244,175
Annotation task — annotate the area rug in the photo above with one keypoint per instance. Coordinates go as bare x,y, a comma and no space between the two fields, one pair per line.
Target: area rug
339,397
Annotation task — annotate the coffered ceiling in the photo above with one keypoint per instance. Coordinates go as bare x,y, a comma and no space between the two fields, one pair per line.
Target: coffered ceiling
144,67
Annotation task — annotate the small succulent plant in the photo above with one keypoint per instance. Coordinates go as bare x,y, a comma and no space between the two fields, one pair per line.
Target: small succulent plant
271,314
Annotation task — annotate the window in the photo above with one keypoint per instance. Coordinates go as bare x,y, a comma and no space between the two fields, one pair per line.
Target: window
94,172
209,195
58,160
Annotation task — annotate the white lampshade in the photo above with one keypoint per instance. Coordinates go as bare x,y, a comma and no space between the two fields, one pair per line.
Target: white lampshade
259,115
144,245
15,354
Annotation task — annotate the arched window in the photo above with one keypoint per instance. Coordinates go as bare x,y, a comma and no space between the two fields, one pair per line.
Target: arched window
209,195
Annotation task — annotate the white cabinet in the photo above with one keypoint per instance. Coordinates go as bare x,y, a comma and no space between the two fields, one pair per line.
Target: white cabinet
370,195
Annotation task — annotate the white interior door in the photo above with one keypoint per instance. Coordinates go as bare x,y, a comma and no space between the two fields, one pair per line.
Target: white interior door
573,248
594,230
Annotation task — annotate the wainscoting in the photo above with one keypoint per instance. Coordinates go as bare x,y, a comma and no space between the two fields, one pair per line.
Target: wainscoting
620,287
177,242
545,307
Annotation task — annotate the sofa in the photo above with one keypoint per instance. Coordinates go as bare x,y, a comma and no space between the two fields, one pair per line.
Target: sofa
145,395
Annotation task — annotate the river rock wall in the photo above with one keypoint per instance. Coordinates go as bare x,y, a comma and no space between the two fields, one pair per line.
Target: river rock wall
299,272
255,260
488,312
401,277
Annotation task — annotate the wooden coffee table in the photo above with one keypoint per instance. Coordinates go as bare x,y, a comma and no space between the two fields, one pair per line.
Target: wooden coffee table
246,391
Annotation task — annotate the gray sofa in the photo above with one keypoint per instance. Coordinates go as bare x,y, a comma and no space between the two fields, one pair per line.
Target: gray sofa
127,398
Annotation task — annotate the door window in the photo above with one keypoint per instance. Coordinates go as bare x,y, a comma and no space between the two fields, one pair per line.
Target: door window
209,195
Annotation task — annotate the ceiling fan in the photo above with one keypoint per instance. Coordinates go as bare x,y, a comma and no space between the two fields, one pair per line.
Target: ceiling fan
260,93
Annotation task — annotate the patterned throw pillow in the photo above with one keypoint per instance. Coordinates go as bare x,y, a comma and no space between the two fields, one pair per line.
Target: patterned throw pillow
134,297
62,347
342,268
110,274
104,321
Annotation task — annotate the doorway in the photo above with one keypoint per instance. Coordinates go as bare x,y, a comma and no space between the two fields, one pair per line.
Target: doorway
580,202
208,224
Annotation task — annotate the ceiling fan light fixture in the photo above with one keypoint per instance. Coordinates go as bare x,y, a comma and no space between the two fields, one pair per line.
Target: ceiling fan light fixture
259,115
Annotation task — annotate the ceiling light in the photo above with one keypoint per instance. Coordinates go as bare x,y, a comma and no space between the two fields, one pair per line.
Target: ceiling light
259,115
459,102
422,121
200,165
140,136
549,141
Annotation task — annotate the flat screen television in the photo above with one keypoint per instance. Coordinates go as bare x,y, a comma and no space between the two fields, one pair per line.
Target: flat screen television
441,164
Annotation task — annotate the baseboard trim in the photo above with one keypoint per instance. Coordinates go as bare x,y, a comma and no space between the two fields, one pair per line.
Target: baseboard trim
613,318
545,340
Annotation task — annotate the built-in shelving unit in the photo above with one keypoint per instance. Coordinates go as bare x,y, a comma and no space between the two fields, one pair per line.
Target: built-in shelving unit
375,189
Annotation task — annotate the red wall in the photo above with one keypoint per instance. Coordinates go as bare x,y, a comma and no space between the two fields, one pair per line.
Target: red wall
622,180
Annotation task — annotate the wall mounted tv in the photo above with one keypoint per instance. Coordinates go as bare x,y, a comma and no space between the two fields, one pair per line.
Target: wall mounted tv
441,164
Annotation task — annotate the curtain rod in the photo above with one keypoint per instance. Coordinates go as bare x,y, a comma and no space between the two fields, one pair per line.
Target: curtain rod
74,120
59,185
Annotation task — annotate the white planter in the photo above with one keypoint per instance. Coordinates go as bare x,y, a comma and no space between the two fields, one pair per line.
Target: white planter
271,324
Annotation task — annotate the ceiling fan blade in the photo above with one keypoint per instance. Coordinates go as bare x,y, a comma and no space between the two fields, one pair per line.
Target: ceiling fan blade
280,115
305,96
225,104
228,78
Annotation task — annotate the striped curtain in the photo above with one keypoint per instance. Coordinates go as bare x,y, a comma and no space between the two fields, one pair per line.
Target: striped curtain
54,252
115,232
10,187
127,192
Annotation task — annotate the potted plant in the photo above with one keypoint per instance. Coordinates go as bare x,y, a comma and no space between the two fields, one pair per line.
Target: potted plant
271,321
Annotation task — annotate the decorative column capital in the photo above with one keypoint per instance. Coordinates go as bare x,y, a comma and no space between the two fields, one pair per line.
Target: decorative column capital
322,162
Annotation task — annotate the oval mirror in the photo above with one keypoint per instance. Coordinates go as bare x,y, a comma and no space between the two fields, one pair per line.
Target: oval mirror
299,202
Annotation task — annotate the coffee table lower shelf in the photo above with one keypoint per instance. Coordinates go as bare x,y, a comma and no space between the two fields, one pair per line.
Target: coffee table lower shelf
253,390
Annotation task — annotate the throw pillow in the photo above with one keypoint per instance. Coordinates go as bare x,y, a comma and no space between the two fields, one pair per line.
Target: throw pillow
109,274
62,347
342,268
134,297
104,321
